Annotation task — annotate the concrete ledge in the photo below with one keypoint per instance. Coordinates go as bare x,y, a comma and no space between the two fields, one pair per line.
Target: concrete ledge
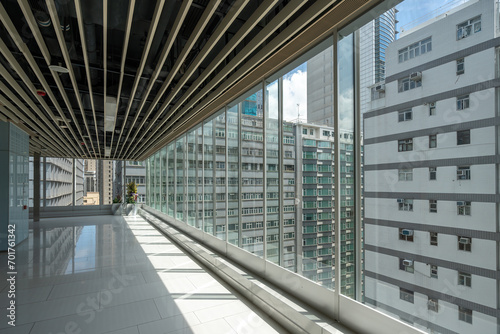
336,309
282,313
71,211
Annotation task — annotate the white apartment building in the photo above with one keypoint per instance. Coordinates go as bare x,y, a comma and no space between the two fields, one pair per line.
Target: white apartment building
431,176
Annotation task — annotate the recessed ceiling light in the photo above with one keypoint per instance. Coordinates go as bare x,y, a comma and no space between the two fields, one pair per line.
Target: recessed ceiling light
58,68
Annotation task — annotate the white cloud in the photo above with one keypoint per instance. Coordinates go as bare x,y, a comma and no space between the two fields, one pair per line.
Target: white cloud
295,92
346,110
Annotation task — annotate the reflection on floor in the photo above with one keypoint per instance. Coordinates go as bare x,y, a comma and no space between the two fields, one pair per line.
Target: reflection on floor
113,274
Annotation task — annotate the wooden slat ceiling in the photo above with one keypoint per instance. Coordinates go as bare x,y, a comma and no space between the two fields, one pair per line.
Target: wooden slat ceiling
133,71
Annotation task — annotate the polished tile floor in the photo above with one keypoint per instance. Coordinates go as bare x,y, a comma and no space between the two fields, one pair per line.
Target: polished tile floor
113,274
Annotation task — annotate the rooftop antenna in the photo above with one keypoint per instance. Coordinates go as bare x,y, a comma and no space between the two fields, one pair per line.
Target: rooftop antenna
298,112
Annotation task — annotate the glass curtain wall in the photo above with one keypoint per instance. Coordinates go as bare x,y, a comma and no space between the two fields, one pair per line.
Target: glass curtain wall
274,193
192,178
233,174
163,172
261,171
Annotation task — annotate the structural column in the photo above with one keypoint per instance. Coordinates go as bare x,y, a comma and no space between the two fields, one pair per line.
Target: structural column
36,187
14,171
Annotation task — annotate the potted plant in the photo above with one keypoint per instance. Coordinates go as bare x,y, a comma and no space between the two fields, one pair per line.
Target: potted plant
131,198
117,201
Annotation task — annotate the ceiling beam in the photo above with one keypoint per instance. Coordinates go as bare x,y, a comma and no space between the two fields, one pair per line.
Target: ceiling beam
212,41
34,66
39,114
291,8
128,27
256,17
83,43
27,117
145,53
30,19
179,20
62,45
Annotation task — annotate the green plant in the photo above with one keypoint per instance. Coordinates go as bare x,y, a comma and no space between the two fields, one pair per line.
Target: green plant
131,192
117,199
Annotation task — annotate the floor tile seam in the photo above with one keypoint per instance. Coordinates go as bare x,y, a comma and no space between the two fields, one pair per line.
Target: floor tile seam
114,330
169,229
32,326
97,313
90,292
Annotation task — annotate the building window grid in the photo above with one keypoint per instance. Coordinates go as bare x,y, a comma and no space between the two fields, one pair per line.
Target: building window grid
433,238
405,115
408,83
432,141
406,295
405,145
463,137
465,243
434,271
460,66
469,27
463,102
432,304
464,208
465,314
432,109
463,173
433,206
407,265
464,279
415,50
432,173
405,204
406,234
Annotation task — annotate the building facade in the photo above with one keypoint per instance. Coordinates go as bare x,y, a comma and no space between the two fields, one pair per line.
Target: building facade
431,176
57,180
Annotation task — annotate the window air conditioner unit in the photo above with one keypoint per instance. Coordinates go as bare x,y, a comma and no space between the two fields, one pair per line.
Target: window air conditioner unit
464,241
407,263
400,200
380,88
407,232
460,203
432,304
416,76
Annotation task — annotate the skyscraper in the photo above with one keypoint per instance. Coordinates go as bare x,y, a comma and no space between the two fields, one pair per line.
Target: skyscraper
374,38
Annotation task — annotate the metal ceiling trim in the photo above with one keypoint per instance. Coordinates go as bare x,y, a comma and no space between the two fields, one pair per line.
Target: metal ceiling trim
214,38
151,32
79,18
62,45
179,20
11,81
105,67
27,117
9,114
307,39
245,29
29,57
130,16
27,82
28,14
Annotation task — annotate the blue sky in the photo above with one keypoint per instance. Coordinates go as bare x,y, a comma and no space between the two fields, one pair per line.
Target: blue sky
414,12
411,13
